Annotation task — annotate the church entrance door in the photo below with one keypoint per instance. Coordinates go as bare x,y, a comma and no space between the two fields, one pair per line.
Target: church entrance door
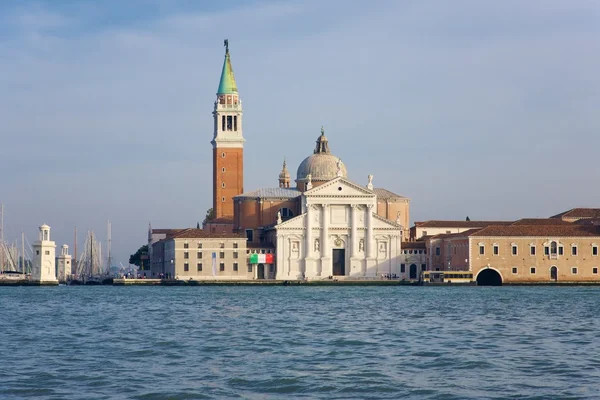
339,262
413,271
261,271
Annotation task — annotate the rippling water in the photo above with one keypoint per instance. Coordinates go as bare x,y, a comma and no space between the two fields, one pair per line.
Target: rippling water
299,342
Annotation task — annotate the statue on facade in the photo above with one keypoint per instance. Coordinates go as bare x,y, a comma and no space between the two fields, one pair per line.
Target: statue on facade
398,220
339,167
308,181
361,245
279,217
370,184
317,246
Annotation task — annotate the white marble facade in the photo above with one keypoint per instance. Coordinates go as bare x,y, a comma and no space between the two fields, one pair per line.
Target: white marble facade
338,234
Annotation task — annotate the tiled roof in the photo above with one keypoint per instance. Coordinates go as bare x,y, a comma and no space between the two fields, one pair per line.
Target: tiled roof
386,194
540,221
166,231
539,230
194,233
459,224
579,213
456,235
413,245
271,193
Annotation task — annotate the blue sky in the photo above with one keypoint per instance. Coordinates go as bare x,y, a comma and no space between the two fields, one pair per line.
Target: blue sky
479,108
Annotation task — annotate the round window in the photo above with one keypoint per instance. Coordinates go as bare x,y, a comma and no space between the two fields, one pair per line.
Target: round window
223,155
223,169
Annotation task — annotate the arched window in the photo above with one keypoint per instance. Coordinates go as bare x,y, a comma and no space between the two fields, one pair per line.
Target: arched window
286,213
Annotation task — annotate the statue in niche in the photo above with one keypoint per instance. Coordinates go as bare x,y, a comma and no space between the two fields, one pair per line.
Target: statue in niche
317,245
295,247
361,245
398,220
382,247
279,217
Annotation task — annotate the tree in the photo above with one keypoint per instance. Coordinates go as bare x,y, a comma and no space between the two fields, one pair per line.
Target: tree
468,219
140,258
197,225
210,214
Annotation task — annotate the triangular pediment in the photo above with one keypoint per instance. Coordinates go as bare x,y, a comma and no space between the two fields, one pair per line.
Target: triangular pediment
293,223
339,187
382,223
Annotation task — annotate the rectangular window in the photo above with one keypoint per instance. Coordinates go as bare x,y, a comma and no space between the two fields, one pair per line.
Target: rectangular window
546,250
574,270
186,267
250,235
222,245
594,250
47,252
595,270
199,254
402,268
235,267
222,267
448,232
532,270
37,252
496,250
423,267
229,122
223,123
574,250
199,267
221,254
437,251
561,251
235,245
249,267
186,245
186,255
532,250
514,250
235,254
514,270
481,250
235,123
199,245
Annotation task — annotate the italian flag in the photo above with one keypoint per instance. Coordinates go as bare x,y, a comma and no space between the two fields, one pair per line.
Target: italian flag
261,258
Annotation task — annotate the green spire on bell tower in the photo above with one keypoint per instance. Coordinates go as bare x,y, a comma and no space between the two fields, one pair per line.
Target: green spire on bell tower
227,84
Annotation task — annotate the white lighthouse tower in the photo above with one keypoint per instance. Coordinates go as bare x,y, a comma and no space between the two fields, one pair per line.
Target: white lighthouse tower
63,264
44,261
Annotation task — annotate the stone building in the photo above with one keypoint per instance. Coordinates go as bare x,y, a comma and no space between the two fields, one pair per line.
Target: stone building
44,259
199,255
526,251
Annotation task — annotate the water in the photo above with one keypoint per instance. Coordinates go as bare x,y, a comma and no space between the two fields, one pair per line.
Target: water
299,342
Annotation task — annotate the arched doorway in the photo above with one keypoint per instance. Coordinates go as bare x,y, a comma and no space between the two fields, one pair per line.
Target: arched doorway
489,277
553,273
261,271
413,271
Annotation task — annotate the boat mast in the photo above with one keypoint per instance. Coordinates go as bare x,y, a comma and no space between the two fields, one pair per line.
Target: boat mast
2,255
23,253
109,245
91,253
74,266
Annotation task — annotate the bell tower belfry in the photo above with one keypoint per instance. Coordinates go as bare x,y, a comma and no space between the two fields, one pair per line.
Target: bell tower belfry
228,143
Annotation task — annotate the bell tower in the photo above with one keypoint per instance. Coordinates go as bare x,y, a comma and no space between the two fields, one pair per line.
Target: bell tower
228,143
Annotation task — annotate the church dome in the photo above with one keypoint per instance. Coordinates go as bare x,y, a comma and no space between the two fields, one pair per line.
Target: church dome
322,165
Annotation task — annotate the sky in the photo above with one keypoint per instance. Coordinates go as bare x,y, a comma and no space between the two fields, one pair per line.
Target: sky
474,108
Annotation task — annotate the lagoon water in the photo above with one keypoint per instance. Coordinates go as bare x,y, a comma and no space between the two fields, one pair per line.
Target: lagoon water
273,342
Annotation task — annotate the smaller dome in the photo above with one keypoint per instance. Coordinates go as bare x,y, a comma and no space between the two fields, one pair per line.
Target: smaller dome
284,171
44,226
